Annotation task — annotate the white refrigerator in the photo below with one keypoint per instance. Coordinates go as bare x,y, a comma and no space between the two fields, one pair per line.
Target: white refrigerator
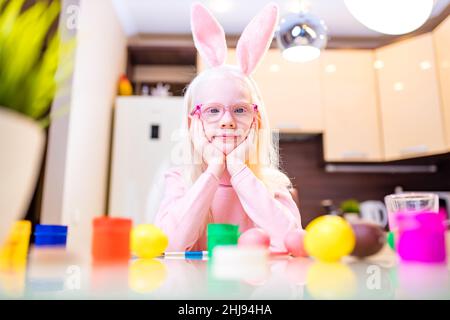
144,135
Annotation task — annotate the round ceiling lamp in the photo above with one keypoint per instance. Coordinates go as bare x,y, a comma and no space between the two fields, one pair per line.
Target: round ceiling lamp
392,17
301,36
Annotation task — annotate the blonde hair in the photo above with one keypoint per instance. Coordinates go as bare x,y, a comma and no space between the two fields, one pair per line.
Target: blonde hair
266,168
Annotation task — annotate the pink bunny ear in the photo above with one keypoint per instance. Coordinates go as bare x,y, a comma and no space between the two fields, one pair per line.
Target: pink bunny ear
208,34
256,38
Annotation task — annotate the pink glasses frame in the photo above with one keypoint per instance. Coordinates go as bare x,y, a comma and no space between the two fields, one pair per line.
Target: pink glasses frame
198,108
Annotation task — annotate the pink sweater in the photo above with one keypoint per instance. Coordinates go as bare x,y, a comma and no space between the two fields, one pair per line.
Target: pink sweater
241,199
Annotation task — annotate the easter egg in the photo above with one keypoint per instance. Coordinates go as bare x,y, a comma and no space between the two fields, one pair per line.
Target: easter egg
329,238
294,244
254,237
148,241
370,239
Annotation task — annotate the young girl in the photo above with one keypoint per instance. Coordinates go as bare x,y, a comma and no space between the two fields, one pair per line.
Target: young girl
231,174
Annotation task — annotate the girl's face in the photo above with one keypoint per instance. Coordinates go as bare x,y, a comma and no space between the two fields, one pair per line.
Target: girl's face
230,129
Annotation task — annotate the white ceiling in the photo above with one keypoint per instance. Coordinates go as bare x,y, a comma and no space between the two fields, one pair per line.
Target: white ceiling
172,16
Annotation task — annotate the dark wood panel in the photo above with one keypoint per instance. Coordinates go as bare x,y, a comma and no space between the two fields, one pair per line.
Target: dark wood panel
303,162
144,55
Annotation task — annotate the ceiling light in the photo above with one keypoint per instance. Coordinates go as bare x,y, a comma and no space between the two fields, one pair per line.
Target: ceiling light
425,65
220,6
378,64
301,37
399,86
331,68
391,16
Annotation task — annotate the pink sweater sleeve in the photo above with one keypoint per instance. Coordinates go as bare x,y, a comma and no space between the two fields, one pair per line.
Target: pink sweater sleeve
183,212
277,214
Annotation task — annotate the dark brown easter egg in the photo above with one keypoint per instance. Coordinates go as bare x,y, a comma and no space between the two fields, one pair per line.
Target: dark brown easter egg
370,239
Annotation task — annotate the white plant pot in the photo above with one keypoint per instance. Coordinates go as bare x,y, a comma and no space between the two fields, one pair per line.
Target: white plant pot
21,150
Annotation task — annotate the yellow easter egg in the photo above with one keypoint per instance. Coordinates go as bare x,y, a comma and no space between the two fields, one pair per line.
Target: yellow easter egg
148,241
329,238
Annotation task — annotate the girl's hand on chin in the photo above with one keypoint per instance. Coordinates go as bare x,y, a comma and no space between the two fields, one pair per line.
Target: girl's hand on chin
236,159
211,155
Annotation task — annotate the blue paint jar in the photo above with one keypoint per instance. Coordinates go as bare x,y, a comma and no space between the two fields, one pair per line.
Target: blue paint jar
50,235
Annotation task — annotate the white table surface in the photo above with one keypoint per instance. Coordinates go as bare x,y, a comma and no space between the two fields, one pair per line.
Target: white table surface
64,276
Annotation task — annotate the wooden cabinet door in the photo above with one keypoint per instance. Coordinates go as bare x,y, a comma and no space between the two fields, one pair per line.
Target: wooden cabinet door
442,45
409,99
352,127
291,93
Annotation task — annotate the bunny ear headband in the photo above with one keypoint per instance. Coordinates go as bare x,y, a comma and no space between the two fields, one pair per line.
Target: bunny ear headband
209,37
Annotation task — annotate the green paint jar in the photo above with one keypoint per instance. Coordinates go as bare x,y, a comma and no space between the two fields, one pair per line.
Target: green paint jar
391,240
220,234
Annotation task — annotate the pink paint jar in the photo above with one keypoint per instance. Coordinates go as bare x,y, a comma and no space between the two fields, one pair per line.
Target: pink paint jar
418,226
421,237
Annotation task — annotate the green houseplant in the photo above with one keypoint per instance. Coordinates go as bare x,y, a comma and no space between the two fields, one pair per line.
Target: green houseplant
29,61
350,206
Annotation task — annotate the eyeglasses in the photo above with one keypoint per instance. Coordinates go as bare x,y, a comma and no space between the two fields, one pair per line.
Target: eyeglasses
212,112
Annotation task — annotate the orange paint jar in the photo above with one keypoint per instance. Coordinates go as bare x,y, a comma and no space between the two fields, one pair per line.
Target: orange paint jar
111,239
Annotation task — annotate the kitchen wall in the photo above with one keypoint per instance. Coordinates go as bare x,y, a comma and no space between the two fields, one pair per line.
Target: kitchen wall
76,179
304,164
